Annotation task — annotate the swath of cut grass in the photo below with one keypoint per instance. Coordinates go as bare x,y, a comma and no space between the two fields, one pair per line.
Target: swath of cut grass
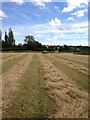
8,64
74,60
5,55
31,99
81,80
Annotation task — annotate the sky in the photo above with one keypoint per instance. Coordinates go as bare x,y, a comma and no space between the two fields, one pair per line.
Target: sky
51,22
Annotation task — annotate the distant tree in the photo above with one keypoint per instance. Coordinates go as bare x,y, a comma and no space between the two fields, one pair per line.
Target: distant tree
6,37
29,39
32,44
11,39
0,40
20,46
66,48
0,35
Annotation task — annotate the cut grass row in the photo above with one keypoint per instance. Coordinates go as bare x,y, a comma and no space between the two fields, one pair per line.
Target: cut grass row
8,64
31,100
8,55
74,60
81,80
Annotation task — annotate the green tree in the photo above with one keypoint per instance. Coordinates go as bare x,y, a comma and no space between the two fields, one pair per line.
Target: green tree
0,35
11,39
6,37
0,40
32,44
29,39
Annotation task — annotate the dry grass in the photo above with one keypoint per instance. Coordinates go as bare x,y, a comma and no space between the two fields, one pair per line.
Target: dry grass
73,65
31,100
12,61
11,80
78,59
81,80
71,101
42,86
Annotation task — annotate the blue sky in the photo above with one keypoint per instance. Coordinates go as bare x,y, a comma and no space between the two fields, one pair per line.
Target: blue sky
50,22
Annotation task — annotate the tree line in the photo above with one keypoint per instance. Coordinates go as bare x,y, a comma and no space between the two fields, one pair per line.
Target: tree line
8,43
31,44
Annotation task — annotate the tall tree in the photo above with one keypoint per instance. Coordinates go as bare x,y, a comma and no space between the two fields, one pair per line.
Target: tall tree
11,39
0,40
6,37
0,35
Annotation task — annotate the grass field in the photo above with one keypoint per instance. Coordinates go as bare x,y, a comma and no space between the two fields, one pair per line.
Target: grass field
36,85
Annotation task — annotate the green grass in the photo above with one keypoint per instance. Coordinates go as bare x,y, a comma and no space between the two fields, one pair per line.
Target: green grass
74,60
81,80
31,100
8,64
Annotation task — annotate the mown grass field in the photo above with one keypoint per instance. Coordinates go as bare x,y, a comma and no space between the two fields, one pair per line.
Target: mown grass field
36,85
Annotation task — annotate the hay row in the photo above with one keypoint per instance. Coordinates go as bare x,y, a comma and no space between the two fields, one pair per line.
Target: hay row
79,68
71,102
11,80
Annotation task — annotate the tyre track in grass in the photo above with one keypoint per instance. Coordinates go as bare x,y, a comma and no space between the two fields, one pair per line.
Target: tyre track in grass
12,61
72,65
31,100
11,81
71,101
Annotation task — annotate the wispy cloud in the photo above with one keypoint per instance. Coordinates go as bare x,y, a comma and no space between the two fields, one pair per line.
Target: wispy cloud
16,1
40,3
2,14
80,13
70,18
54,22
44,21
56,7
62,33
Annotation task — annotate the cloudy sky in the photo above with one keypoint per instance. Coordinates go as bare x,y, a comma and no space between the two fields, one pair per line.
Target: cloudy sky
49,21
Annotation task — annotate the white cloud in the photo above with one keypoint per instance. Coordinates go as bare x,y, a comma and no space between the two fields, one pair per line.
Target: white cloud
54,28
53,35
54,22
74,4
49,39
17,33
80,13
81,25
17,1
2,15
52,40
56,7
40,3
71,18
